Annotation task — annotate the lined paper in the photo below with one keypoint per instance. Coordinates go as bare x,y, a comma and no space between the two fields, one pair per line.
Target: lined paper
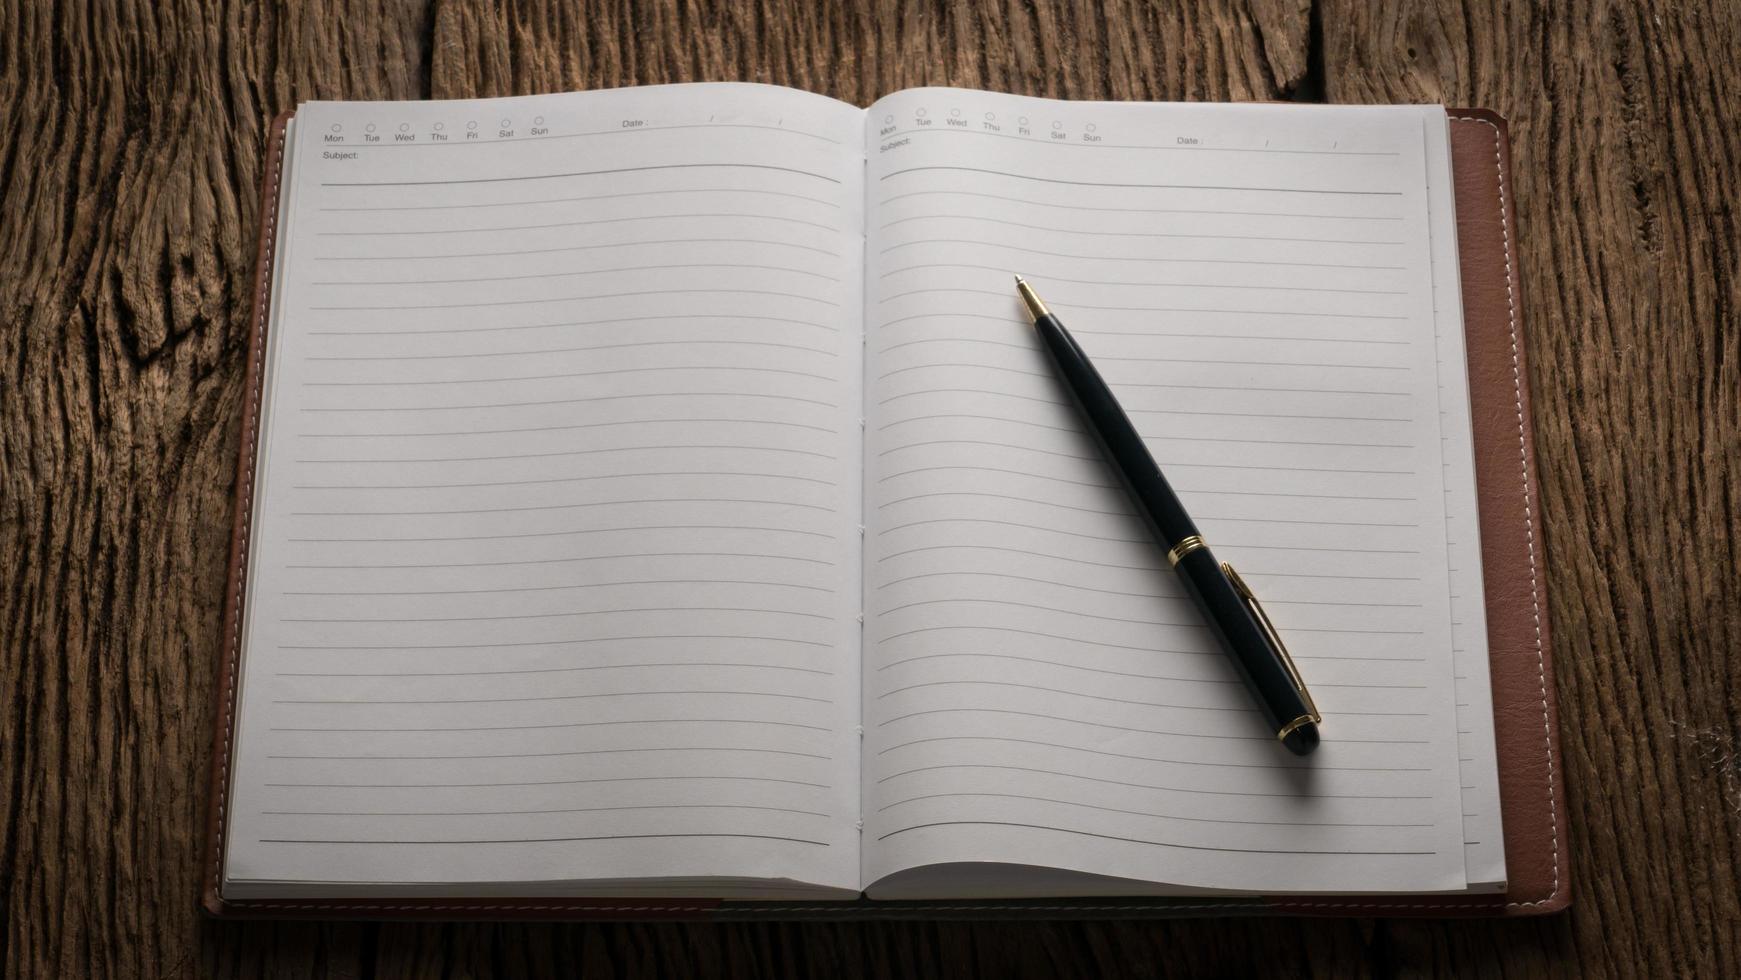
556,572
595,424
1256,283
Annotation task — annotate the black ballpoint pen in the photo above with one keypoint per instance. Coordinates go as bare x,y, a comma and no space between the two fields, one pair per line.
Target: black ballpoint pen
1232,612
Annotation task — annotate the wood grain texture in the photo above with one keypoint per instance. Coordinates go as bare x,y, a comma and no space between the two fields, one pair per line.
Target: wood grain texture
131,139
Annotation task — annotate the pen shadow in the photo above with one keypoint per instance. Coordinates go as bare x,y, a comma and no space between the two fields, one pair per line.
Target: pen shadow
1302,776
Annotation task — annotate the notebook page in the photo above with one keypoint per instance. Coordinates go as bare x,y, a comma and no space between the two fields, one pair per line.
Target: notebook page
555,567
1256,283
1477,758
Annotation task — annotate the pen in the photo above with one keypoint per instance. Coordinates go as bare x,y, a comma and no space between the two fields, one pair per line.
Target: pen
1233,613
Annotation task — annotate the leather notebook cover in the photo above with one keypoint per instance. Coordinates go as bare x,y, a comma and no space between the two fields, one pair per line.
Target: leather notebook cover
1525,718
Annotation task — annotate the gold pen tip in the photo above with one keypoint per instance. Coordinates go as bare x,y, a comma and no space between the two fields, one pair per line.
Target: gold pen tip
1036,308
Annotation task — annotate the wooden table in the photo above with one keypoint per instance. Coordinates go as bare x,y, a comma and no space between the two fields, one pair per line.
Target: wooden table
130,149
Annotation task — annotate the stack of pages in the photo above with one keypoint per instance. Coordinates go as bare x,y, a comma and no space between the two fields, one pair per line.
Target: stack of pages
660,493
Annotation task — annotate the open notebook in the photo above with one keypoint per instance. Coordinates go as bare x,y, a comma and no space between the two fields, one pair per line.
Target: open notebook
658,494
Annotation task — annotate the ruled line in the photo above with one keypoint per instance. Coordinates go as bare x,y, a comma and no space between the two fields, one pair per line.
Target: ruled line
608,322
1101,183
1053,229
1212,493
473,355
1239,336
634,502
994,469
1195,148
554,615
993,443
565,428
1169,789
1146,309
577,272
1015,551
589,197
556,697
538,840
1147,813
1138,840
1165,464
564,479
517,813
1333,604
1028,578
1147,438
576,401
1144,758
1154,334
569,532
543,755
567,374
529,670
541,782
1230,709
1053,609
1126,513
1149,648
962,364
580,724
578,558
1119,384
1180,285
578,173
1265,738
1252,364
573,299
1125,309
983,341
999,496
1119,258
968,467
571,224
1141,595
1130,210
578,248
568,452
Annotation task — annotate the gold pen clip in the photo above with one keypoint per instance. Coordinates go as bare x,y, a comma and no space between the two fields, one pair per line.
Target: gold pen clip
1269,630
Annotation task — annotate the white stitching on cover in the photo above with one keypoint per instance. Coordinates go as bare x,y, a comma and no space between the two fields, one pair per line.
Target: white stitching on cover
1534,592
1528,522
257,353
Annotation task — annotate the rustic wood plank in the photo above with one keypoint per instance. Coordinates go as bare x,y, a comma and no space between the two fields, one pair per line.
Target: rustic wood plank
1624,180
131,136
130,147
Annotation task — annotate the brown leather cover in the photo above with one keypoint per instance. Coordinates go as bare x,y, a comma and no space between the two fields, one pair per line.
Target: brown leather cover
1525,718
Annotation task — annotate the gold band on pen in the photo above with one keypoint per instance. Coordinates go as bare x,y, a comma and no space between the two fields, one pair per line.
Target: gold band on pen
1292,726
1312,715
1183,548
